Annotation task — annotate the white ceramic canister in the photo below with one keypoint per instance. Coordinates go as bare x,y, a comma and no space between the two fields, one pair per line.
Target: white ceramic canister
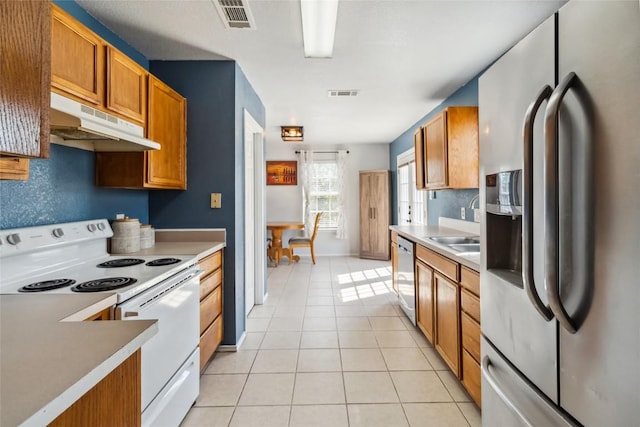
147,236
126,236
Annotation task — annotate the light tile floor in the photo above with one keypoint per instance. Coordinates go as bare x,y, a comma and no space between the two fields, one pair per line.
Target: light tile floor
331,348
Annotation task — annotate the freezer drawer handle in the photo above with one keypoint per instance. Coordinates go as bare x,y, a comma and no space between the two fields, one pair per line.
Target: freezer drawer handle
486,373
528,209
551,194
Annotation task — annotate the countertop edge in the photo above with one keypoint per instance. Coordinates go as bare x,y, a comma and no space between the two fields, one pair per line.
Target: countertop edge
405,231
57,406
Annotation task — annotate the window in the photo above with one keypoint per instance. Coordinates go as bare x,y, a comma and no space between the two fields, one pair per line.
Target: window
324,192
412,207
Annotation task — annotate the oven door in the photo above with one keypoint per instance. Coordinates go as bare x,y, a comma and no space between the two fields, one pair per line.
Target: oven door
175,304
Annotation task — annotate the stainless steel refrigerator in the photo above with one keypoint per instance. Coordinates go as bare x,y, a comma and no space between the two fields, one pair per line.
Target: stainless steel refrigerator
560,190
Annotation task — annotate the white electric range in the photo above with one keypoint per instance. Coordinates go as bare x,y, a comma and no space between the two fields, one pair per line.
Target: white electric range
72,258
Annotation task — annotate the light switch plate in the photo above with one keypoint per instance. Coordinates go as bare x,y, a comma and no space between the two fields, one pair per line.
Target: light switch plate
216,200
463,213
476,215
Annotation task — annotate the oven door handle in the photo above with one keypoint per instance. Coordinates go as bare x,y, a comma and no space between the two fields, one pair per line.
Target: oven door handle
134,306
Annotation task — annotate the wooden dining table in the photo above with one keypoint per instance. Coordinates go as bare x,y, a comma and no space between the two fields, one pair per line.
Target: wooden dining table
277,251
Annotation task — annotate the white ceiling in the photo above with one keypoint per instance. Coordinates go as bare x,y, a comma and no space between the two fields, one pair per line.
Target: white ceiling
405,56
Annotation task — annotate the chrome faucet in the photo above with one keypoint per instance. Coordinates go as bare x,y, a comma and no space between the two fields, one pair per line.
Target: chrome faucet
476,198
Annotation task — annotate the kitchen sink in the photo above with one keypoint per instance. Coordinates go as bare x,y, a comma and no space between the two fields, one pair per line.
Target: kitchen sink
465,247
456,240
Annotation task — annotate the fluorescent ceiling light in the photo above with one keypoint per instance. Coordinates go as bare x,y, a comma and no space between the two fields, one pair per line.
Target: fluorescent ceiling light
318,27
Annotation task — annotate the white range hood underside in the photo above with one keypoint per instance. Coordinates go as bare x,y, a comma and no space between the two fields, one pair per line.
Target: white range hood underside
76,125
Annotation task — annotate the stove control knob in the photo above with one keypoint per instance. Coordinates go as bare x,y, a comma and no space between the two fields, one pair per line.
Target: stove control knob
91,227
13,239
101,226
58,232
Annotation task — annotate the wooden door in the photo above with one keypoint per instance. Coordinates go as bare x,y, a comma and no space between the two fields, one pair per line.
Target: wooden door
167,167
380,209
365,214
418,144
435,143
126,87
424,310
77,60
24,79
447,342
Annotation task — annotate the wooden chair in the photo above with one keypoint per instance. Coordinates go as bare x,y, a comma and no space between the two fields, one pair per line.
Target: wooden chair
306,242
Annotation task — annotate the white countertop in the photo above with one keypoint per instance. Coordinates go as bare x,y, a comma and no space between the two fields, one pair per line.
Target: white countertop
197,242
49,358
421,233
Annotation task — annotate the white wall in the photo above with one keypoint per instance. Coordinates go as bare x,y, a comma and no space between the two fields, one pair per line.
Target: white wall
284,203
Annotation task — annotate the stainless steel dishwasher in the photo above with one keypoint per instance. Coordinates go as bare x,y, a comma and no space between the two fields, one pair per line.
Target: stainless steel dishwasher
406,281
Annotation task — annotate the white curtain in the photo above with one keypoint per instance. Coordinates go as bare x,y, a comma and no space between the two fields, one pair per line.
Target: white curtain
306,162
341,159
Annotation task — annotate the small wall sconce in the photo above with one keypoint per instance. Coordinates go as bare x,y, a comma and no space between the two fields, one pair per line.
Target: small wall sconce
292,133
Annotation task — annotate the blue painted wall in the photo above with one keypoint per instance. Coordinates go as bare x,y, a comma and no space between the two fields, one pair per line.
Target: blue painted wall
446,203
216,92
61,189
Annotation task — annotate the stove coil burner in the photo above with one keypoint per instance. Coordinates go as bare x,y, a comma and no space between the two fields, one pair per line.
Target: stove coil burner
47,285
122,262
107,284
163,261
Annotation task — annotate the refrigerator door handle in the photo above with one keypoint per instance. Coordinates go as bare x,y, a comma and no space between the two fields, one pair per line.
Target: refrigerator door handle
493,382
551,190
528,210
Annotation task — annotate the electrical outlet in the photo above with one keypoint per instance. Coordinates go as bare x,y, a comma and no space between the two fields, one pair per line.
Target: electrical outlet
463,213
216,200
476,215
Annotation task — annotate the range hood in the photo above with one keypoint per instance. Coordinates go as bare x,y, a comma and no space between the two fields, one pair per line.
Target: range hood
80,126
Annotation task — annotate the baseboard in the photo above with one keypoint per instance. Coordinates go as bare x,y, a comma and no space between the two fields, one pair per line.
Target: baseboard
231,348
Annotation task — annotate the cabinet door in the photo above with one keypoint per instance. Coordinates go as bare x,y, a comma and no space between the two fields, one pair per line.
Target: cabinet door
126,87
435,155
166,168
448,321
77,60
394,266
365,214
380,210
24,78
424,310
13,168
418,154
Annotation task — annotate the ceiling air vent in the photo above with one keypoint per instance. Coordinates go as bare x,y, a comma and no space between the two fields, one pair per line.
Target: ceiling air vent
235,14
342,93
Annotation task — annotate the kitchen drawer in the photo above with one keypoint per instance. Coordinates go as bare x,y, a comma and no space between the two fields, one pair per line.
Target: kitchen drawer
470,280
471,336
210,263
442,264
471,377
210,308
209,341
471,305
210,282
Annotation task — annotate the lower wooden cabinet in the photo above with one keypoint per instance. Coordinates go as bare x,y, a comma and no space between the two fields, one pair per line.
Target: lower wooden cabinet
13,168
447,310
114,401
394,261
424,291
448,314
211,306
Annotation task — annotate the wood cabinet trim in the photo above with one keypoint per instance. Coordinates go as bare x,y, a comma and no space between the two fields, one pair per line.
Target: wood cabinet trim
12,168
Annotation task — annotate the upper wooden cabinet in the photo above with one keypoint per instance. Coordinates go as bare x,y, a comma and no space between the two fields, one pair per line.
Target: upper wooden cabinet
446,150
77,60
126,86
162,169
25,68
375,214
86,68
167,167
